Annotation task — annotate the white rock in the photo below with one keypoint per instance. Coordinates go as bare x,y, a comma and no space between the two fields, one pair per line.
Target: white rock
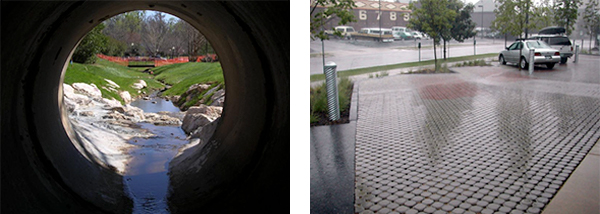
211,111
139,84
192,122
135,112
90,90
142,82
68,89
112,84
71,98
110,103
125,96
198,116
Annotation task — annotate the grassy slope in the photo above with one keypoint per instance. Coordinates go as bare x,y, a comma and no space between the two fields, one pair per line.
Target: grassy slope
103,69
359,71
181,76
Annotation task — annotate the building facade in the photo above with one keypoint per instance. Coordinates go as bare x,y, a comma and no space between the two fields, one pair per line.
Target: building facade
374,14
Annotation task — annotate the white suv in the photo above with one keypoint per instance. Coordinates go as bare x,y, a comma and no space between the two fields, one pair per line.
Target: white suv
553,36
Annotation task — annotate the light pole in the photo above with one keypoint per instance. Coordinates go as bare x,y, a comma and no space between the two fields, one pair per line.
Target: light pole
481,17
173,52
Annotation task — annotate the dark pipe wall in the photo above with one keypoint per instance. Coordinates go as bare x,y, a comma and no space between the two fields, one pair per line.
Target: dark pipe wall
246,166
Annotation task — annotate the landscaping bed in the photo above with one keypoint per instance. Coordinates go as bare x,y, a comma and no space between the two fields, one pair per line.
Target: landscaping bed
318,103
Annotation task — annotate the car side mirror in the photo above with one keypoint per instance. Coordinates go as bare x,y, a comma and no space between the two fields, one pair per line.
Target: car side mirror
506,48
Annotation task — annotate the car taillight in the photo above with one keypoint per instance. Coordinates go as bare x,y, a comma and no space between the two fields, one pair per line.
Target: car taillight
537,54
556,54
571,48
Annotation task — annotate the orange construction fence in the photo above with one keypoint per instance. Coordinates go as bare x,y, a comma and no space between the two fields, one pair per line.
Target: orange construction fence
157,62
212,56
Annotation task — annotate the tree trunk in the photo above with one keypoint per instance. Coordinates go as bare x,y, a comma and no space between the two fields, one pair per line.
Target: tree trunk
444,49
591,36
435,56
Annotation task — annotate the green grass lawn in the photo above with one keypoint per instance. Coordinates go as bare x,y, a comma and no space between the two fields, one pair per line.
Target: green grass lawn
103,69
359,71
182,75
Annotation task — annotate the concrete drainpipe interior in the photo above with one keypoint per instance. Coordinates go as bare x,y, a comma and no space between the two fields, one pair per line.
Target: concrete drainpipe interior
247,156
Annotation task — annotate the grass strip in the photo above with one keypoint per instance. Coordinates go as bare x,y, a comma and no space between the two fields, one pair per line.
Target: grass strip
359,71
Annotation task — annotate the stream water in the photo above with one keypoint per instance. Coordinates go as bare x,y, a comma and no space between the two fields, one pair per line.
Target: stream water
146,176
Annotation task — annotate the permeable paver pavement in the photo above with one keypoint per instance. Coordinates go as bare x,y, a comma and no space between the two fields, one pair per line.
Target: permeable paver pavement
485,140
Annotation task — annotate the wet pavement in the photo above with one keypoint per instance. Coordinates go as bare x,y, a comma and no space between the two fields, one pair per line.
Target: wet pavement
332,168
349,54
332,164
483,140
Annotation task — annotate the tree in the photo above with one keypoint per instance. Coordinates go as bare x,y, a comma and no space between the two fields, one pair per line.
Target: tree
434,18
90,45
127,28
591,19
463,25
155,31
566,14
114,47
511,17
333,8
543,14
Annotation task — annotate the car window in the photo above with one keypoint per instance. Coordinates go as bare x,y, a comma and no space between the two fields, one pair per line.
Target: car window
537,44
350,30
515,46
559,41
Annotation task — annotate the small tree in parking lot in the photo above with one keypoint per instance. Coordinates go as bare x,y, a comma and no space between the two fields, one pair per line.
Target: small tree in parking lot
566,13
434,18
591,19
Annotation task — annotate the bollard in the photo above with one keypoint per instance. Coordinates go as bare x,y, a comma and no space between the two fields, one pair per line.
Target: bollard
475,47
576,53
419,51
531,60
333,103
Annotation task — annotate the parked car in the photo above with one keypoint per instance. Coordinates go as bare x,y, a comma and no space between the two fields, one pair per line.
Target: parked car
417,35
383,34
401,33
346,31
519,52
555,37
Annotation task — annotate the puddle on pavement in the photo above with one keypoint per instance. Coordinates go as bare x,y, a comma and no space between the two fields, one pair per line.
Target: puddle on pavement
146,177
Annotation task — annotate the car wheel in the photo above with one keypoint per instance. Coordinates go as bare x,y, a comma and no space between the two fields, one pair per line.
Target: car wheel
524,63
550,65
502,60
563,60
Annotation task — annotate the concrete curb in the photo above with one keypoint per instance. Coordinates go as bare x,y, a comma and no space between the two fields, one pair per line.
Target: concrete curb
354,103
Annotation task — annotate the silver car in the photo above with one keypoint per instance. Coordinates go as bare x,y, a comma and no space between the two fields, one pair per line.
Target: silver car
519,52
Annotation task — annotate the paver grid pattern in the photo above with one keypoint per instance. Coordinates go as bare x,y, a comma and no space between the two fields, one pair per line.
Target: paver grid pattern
440,144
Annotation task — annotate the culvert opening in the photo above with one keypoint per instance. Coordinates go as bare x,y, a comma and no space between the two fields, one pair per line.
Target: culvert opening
141,88
249,150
